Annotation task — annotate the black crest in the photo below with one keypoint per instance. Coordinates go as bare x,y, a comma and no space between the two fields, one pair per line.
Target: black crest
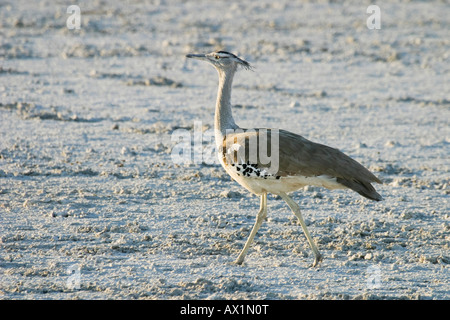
244,63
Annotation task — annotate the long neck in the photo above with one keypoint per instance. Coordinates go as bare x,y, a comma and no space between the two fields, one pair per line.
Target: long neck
223,119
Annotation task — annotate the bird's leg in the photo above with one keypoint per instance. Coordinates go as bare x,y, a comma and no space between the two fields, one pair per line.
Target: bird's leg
296,210
259,220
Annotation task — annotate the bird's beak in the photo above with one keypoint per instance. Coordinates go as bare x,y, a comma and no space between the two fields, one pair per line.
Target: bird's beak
197,56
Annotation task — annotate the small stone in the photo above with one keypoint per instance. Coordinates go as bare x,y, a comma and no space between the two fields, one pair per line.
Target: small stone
390,144
230,194
320,94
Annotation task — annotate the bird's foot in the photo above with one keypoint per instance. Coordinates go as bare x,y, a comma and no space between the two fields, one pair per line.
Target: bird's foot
317,259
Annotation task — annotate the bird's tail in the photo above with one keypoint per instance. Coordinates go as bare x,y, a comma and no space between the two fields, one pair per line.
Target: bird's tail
363,188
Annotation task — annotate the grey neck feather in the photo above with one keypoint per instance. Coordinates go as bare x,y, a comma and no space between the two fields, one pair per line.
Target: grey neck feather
223,117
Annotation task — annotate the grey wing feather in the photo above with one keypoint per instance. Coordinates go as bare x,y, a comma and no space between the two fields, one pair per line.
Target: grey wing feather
301,156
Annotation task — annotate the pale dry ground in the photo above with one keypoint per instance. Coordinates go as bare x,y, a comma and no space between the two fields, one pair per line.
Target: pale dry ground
87,180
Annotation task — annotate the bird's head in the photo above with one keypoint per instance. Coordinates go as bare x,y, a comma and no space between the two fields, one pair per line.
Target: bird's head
222,60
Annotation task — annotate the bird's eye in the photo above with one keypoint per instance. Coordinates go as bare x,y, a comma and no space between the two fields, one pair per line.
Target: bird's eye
217,57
